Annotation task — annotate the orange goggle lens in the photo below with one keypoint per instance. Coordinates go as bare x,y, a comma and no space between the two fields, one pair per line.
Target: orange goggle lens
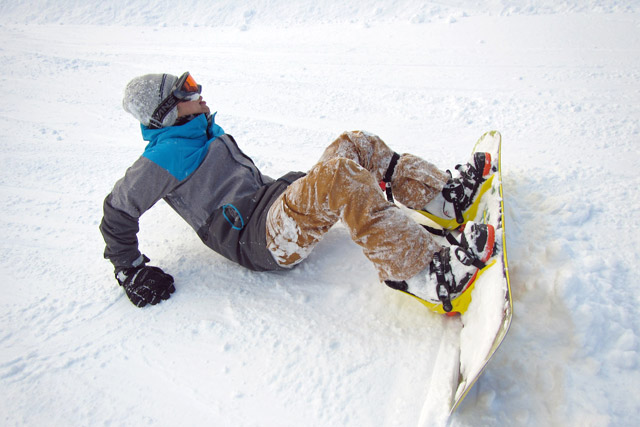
190,84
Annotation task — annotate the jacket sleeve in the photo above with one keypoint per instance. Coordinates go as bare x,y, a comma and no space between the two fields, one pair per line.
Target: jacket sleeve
142,186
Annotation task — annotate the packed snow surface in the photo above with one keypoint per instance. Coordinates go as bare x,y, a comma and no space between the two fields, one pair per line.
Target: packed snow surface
324,344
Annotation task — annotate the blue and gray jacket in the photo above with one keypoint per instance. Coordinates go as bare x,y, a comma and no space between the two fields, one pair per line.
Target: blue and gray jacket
202,174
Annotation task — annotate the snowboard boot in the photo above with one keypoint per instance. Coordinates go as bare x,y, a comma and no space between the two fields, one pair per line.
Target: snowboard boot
479,240
445,285
459,200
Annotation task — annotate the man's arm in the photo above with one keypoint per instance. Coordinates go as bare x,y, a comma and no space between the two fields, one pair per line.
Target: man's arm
120,231
142,186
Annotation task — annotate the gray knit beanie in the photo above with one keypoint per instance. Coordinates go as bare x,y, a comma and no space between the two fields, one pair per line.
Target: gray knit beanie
143,95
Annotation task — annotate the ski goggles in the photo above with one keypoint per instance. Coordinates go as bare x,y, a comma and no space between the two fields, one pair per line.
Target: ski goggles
185,89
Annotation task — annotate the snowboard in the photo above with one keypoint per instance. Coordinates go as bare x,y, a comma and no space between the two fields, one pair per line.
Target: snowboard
486,321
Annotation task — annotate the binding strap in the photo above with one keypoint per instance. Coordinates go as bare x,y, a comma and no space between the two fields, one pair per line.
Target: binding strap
455,243
400,285
441,266
386,181
453,192
443,233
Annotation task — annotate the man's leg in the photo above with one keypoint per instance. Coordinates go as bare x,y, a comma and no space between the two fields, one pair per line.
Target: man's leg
339,188
415,181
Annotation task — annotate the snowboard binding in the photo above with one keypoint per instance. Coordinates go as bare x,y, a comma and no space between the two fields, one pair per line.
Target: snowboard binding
460,198
445,285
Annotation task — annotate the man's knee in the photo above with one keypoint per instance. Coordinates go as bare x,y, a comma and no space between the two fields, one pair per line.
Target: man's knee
339,167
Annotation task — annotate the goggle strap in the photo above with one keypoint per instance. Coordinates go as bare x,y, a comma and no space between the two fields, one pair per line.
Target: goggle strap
164,80
162,110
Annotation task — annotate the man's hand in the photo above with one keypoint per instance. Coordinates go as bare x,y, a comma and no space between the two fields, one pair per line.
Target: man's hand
146,285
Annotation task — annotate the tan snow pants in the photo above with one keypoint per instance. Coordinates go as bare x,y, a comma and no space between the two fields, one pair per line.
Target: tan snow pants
344,185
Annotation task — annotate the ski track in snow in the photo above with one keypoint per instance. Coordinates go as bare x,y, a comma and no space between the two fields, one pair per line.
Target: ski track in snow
324,344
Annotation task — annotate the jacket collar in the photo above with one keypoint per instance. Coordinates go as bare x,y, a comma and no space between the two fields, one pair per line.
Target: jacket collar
194,129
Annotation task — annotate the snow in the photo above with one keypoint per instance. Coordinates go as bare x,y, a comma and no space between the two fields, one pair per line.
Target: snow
325,343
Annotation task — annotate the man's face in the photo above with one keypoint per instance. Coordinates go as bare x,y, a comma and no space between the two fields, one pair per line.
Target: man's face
186,108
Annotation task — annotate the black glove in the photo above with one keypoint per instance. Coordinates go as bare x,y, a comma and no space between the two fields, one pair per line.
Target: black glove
146,284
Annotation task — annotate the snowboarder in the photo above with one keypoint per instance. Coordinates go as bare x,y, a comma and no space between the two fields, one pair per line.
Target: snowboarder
266,224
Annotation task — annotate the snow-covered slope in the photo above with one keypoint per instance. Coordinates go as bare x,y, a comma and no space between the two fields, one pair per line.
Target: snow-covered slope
279,13
324,344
